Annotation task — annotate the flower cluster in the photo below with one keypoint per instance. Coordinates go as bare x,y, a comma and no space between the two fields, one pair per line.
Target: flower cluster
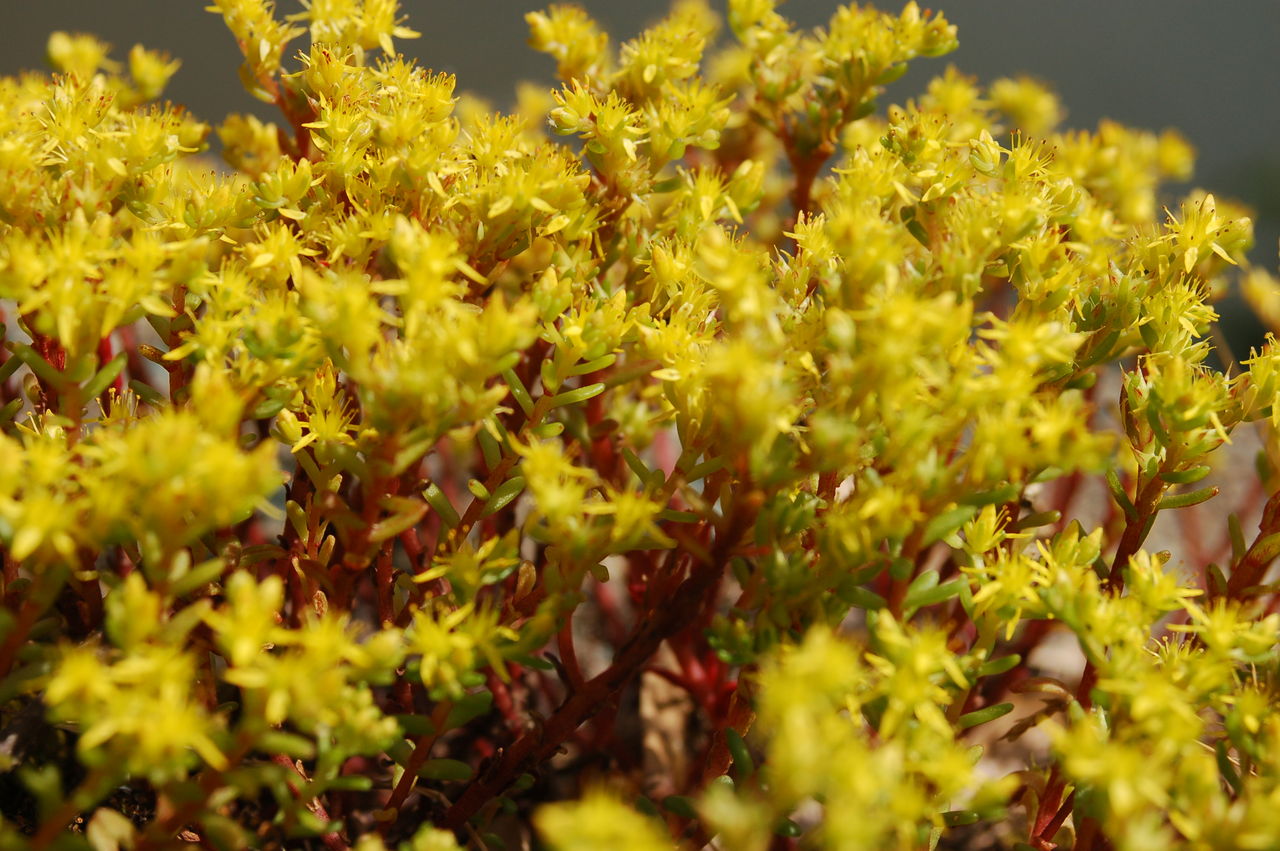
381,487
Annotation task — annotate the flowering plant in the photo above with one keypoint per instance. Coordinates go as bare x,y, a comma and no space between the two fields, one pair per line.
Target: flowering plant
427,479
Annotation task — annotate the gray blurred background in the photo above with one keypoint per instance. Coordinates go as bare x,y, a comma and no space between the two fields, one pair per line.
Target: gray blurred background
1209,69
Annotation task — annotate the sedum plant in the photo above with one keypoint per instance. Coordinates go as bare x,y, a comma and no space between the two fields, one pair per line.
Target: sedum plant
702,454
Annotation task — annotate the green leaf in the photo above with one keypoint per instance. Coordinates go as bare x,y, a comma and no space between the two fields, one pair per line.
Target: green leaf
105,376
994,667
917,230
1215,580
9,367
1227,767
289,744
445,769
1121,498
706,468
41,367
635,464
297,517
468,708
933,595
1186,477
593,365
1147,332
1266,549
923,582
441,505
345,783
504,495
680,805
1186,500
1004,493
579,394
646,806
548,430
947,522
535,662
489,448
550,379
1101,350
959,818
1157,425
1237,536
677,516
518,392
1035,521
400,752
412,447
147,393
893,72
267,408
1082,380
197,577
409,514
415,725
743,765
629,372
966,600
982,716
863,598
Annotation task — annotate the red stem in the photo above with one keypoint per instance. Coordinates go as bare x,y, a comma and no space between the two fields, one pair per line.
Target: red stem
1050,802
331,840
541,743
569,654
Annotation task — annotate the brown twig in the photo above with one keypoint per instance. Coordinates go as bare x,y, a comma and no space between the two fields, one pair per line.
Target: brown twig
541,743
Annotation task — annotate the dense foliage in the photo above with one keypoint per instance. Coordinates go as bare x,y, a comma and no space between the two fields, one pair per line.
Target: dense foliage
757,465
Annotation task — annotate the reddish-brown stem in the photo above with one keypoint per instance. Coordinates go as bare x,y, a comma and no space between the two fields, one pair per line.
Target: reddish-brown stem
177,371
502,697
90,592
27,617
1055,823
608,607
331,840
805,166
542,742
135,363
898,587
421,751
1088,679
569,654
1089,836
105,354
1063,499
1135,530
1050,803
739,717
385,578
10,574
1252,566
672,677
53,354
